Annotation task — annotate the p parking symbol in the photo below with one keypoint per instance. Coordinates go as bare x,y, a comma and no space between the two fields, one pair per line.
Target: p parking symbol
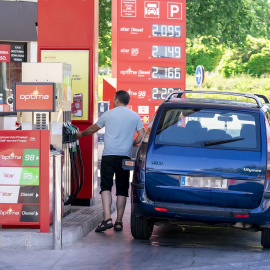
174,10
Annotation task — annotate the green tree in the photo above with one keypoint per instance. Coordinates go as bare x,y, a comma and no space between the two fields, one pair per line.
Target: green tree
261,18
259,63
252,58
205,51
105,33
228,20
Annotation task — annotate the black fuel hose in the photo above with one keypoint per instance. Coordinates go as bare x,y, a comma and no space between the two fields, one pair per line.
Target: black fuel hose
71,197
75,158
81,164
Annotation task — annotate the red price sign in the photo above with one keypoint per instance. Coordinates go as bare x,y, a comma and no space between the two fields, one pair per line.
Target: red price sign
150,51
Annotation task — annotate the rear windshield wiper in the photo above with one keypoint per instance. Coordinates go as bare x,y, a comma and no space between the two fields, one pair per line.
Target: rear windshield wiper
208,143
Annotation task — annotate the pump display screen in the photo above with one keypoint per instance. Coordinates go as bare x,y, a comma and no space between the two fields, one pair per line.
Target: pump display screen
166,72
162,30
162,92
166,51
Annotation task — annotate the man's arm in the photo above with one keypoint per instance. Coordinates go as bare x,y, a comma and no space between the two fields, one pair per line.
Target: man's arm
89,131
139,137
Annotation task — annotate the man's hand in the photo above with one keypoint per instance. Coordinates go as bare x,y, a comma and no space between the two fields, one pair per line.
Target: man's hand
139,137
89,131
79,134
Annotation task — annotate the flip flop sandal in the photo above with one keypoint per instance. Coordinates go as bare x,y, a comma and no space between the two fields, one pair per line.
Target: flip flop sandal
104,225
118,226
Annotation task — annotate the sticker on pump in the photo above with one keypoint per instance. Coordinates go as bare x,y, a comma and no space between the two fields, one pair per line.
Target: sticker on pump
10,213
9,194
145,119
34,97
143,109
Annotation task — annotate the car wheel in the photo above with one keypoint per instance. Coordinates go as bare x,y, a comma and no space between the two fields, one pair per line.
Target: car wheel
141,228
265,238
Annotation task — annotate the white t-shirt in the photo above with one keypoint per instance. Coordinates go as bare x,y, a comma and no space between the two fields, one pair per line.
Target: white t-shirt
120,125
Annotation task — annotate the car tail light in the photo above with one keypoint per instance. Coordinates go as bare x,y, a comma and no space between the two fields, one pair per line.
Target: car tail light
267,127
242,215
161,209
143,148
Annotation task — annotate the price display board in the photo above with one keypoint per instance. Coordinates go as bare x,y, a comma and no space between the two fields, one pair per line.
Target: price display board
20,175
151,51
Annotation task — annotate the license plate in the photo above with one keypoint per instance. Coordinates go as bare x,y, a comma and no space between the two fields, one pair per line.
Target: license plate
203,182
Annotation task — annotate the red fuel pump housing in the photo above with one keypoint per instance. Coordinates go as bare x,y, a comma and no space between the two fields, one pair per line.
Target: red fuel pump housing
67,29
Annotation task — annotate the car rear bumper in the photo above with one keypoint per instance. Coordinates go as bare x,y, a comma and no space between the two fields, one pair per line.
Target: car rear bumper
142,206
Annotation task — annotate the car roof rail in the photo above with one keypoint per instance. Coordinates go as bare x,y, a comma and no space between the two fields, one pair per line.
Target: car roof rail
266,100
256,97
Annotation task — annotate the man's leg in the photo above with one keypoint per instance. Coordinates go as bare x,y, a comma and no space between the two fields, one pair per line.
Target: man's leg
106,197
122,185
120,206
107,172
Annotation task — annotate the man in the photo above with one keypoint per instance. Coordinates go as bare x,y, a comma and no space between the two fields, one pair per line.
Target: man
120,125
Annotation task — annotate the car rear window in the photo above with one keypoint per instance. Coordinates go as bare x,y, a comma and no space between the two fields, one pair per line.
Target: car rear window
209,128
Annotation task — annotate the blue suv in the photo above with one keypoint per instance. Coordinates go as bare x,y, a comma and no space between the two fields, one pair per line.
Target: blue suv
204,160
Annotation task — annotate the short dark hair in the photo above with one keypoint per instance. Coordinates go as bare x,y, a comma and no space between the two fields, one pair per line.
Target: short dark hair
123,96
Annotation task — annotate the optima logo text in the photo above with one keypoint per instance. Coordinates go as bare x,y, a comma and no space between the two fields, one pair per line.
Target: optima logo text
34,97
11,157
9,212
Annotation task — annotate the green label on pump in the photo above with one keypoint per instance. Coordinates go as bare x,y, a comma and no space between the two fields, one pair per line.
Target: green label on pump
29,176
30,157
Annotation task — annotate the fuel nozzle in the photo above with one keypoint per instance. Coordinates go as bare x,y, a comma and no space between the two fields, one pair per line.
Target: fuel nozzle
69,133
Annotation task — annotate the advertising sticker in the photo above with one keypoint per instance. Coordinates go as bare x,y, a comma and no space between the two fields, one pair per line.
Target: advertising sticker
34,97
128,8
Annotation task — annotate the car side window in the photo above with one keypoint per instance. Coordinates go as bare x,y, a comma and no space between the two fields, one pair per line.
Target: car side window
268,116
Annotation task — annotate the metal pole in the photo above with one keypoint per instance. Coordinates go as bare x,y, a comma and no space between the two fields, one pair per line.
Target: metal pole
57,218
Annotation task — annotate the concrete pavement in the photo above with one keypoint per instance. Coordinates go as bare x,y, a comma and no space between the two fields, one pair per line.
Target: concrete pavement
77,224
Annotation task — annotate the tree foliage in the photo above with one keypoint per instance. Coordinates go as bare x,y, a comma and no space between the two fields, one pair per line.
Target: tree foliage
261,18
229,21
105,32
205,51
252,58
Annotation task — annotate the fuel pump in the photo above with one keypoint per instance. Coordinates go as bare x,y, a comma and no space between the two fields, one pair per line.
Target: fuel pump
57,120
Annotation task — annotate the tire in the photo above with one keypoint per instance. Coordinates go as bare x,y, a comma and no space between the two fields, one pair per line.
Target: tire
141,228
265,238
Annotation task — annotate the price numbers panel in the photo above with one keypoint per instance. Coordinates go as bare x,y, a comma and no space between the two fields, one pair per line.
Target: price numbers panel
163,30
148,72
149,93
19,177
166,52
170,73
160,93
156,32
161,52
151,52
